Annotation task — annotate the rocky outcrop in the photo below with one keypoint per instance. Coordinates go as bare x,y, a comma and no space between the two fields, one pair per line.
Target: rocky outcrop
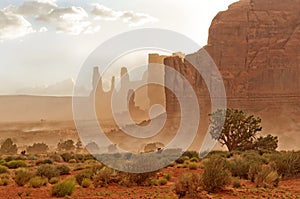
256,46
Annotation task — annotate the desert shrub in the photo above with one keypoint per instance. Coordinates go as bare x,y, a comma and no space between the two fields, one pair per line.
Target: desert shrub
239,167
79,157
78,167
254,169
54,180
37,182
3,169
4,179
86,174
56,157
63,169
188,183
267,177
45,161
66,156
14,164
162,181
182,159
216,174
224,154
287,163
37,148
86,183
48,171
104,177
72,161
194,159
167,176
2,162
22,176
193,166
32,157
140,179
191,154
10,158
64,188
236,183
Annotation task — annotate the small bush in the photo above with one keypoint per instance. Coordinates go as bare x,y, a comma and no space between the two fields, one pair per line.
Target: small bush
239,167
139,179
72,161
182,159
66,157
167,176
63,169
267,177
56,158
162,181
254,169
37,182
86,183
193,166
236,183
22,176
87,174
194,159
216,174
188,183
14,164
287,164
104,177
2,162
4,179
191,154
54,180
3,169
46,161
78,167
64,188
47,171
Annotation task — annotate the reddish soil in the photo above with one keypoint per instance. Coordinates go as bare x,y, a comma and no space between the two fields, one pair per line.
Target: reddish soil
286,189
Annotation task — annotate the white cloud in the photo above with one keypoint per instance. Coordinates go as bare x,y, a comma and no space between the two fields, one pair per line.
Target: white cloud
13,25
133,19
14,20
33,8
102,12
136,19
72,20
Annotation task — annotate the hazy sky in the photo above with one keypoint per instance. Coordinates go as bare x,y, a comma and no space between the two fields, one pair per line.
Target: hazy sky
45,42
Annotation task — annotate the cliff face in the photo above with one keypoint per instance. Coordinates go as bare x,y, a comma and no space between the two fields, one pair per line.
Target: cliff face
256,46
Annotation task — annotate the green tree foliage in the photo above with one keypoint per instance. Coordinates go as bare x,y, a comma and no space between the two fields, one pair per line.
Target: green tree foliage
239,129
37,148
8,147
66,145
269,143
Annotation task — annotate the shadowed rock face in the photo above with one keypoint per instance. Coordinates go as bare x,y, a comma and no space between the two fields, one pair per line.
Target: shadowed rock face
256,46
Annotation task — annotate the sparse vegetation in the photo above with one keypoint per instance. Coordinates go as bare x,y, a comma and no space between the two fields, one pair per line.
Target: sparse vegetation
37,182
216,174
22,176
8,147
64,188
